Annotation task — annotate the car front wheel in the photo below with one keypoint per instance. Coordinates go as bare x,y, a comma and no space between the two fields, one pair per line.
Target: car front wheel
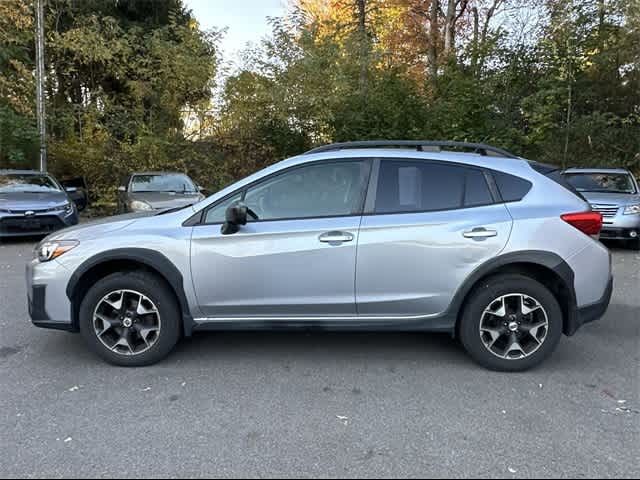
130,319
511,323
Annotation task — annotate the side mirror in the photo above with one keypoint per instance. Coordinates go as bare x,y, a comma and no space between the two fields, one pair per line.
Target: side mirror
235,216
200,188
122,189
71,189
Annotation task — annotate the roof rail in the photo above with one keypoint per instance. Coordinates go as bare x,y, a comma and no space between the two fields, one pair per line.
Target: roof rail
419,145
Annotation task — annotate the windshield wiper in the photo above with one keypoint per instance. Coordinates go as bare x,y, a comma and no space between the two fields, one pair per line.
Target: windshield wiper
175,209
31,191
604,190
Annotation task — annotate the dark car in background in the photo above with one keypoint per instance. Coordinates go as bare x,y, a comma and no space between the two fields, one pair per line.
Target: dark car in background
157,191
77,190
33,203
614,192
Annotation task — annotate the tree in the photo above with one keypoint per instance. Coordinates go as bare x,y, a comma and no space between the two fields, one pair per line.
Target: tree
18,135
558,81
122,74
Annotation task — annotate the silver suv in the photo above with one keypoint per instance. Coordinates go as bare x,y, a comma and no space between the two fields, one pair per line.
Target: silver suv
488,247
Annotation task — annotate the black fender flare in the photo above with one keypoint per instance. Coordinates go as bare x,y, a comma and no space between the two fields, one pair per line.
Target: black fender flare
548,260
150,258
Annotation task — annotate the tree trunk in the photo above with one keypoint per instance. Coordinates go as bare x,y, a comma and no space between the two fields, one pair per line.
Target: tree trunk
449,28
434,35
364,44
602,11
485,33
455,10
569,115
475,41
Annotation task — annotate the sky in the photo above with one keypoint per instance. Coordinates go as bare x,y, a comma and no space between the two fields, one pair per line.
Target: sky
246,20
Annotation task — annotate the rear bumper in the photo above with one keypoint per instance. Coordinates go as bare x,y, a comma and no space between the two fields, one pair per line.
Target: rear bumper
590,313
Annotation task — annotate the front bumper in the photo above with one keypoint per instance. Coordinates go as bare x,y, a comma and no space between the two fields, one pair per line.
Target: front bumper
617,233
41,224
38,312
48,304
590,313
620,226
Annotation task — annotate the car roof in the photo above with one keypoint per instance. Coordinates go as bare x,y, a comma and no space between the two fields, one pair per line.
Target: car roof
596,170
509,165
22,172
157,173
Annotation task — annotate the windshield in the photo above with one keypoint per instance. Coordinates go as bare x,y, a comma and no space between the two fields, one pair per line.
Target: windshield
602,182
177,183
17,183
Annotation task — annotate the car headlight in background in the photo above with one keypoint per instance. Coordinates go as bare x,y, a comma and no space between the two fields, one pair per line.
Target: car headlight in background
138,206
632,210
69,209
47,251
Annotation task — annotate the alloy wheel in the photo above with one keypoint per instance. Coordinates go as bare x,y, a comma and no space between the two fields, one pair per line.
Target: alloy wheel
514,326
127,322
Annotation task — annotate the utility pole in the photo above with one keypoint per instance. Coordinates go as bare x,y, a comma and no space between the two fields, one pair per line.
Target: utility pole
40,79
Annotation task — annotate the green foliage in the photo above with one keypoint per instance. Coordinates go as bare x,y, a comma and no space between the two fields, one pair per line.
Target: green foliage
18,138
127,76
123,75
18,135
571,97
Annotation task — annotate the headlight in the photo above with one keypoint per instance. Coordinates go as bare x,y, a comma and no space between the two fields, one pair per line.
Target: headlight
68,208
632,210
53,249
137,206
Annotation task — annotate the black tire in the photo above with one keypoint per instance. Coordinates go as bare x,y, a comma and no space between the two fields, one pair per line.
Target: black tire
487,292
152,287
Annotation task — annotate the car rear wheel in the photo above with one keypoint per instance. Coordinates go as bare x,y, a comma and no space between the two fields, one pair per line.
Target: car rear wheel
130,319
511,323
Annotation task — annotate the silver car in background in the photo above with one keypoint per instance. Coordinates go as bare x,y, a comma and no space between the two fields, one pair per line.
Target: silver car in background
613,192
157,191
33,203
485,246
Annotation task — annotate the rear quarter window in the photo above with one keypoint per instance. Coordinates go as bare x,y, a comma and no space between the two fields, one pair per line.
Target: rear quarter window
511,188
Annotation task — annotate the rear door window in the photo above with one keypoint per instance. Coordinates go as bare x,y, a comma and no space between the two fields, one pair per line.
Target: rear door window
406,186
477,191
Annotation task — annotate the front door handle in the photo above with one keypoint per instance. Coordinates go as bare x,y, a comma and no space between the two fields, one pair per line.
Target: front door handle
480,233
336,237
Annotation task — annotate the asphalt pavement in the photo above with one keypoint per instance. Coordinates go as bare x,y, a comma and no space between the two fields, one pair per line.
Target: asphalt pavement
319,404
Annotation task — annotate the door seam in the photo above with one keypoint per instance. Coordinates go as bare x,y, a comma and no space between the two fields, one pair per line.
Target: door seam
355,272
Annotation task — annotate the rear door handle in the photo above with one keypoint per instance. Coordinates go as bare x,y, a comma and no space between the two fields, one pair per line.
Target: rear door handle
336,237
480,233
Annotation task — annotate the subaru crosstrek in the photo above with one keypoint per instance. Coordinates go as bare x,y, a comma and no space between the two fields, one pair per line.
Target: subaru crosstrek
496,250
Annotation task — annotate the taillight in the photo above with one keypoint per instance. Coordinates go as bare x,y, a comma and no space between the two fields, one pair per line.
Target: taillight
589,223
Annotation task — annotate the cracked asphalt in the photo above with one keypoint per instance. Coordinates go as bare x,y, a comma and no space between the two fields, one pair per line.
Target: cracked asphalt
319,404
